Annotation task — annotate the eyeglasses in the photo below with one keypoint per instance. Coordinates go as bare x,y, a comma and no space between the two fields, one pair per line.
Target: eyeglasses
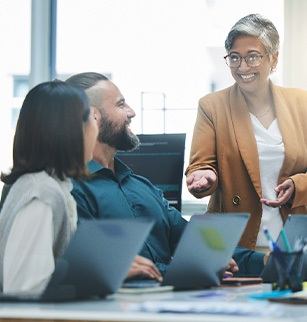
252,60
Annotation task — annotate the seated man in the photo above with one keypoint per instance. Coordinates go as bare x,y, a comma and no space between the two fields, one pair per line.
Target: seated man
115,191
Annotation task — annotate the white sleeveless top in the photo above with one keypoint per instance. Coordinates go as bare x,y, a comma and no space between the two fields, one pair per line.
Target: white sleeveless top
271,153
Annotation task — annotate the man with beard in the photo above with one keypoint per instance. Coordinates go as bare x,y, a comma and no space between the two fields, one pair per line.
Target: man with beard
114,191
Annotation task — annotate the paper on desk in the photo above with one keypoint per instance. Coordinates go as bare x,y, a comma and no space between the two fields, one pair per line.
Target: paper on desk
212,307
301,294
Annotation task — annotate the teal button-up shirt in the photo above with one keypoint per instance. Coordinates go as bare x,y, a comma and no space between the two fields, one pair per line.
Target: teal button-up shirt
131,196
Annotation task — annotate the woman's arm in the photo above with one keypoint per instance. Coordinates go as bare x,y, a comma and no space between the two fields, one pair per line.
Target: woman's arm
28,258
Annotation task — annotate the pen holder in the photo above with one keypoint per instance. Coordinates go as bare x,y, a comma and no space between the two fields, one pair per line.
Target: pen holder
288,267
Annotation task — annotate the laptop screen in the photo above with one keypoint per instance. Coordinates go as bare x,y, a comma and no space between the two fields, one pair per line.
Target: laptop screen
160,158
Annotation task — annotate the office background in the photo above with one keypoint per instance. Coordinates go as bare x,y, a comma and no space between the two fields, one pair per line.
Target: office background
163,54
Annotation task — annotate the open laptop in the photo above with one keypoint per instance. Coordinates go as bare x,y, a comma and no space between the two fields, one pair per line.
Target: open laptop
204,251
95,262
294,227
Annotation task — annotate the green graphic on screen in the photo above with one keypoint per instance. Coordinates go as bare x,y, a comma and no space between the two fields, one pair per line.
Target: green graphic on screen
212,237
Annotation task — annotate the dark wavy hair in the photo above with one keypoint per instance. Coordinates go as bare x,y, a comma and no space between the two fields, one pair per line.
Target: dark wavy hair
49,132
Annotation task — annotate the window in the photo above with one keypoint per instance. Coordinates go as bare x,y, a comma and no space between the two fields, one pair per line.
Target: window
152,46
15,27
163,55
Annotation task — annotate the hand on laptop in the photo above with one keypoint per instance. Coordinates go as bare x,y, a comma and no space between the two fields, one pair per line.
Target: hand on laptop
266,257
144,266
231,268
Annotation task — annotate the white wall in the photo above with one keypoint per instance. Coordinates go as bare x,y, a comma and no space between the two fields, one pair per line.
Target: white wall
295,44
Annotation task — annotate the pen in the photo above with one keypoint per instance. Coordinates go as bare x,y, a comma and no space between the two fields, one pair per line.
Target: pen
285,239
273,246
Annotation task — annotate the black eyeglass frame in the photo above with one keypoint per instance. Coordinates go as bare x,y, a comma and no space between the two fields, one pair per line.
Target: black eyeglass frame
245,58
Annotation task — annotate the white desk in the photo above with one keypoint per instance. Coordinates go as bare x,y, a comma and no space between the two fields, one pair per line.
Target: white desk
117,309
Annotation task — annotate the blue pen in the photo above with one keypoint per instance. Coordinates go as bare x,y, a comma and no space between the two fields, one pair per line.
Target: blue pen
273,246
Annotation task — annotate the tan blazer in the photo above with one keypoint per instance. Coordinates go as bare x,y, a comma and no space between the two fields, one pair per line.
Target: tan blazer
224,141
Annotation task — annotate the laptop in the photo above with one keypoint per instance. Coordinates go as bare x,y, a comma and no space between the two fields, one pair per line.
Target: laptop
204,251
95,262
294,227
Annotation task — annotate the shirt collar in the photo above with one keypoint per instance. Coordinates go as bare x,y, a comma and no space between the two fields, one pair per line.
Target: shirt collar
94,166
121,169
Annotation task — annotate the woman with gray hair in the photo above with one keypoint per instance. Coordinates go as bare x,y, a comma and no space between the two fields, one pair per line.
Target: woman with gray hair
249,147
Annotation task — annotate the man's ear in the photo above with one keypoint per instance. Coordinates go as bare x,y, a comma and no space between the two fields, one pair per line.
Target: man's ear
97,115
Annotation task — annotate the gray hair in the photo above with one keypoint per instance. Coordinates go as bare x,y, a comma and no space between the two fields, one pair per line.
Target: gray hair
258,26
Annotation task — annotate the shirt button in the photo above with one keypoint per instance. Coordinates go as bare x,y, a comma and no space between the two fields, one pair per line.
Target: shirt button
236,200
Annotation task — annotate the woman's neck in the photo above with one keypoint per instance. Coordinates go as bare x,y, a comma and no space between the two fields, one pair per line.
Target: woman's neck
262,107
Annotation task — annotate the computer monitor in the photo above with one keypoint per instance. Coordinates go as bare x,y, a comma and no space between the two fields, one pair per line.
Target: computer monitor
160,158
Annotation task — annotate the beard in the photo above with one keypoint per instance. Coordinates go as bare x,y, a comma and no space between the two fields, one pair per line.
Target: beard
120,139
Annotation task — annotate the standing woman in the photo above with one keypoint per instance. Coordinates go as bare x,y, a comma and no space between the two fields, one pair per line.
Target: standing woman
55,137
249,147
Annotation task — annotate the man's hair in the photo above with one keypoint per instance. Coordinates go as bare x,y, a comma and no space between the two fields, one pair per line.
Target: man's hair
87,82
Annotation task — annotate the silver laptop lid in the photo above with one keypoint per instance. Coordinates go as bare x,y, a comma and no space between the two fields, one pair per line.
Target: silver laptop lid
205,249
95,262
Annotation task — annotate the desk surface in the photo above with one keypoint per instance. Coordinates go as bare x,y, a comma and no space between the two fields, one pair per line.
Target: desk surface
118,308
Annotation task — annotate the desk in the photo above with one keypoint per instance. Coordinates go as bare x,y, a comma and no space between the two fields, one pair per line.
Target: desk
117,308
